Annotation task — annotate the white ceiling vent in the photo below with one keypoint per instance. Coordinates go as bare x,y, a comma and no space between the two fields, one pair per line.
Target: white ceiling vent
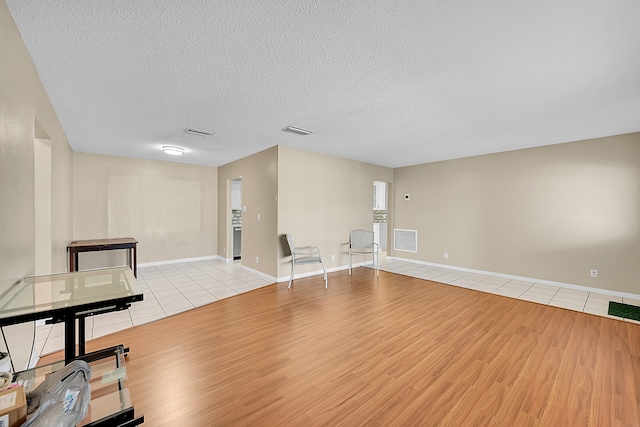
198,132
405,240
297,130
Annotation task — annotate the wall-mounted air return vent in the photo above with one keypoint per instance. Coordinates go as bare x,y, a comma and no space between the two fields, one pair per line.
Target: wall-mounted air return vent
405,240
198,132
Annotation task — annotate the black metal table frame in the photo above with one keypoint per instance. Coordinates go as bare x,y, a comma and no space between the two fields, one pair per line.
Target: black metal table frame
68,315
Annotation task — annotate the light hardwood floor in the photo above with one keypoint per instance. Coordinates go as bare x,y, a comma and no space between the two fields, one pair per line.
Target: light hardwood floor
390,351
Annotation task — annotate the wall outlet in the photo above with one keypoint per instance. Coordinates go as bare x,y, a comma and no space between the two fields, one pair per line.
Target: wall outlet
333,257
257,260
594,273
244,208
446,255
258,217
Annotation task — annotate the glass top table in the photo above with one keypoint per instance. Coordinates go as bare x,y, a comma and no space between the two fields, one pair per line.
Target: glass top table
69,296
110,403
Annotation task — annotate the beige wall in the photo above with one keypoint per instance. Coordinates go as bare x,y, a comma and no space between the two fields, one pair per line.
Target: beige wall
23,103
550,213
170,208
320,199
259,173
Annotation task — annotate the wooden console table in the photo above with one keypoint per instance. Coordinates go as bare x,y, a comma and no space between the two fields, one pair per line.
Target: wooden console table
78,246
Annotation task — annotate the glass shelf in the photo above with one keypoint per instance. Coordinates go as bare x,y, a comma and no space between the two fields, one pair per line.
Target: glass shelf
110,403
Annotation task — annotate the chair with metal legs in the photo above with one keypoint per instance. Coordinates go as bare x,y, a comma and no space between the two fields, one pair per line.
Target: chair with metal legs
361,242
305,255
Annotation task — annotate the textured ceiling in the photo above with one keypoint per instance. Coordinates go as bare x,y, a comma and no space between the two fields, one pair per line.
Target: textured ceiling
392,83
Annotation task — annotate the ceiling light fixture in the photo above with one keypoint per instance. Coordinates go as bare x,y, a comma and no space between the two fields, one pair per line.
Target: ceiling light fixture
297,130
173,150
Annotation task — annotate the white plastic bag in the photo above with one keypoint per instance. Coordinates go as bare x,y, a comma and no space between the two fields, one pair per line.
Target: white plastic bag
62,400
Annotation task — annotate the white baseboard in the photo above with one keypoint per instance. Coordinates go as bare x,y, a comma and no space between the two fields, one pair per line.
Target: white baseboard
523,278
258,273
320,272
412,261
175,261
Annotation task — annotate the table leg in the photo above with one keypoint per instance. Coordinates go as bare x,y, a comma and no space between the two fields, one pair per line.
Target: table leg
81,336
135,261
69,337
71,261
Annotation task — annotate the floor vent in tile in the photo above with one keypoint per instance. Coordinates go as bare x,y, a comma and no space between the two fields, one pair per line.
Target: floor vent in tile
624,310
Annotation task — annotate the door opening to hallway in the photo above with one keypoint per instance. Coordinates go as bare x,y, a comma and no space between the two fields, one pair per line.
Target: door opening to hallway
236,218
380,215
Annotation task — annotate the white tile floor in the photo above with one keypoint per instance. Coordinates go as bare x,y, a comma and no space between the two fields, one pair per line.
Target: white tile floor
173,288
168,289
587,302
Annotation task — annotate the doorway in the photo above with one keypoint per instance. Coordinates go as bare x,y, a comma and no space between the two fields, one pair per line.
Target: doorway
380,215
236,218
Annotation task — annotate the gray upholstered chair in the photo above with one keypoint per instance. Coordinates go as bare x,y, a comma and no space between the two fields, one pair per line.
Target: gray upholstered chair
361,242
305,255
